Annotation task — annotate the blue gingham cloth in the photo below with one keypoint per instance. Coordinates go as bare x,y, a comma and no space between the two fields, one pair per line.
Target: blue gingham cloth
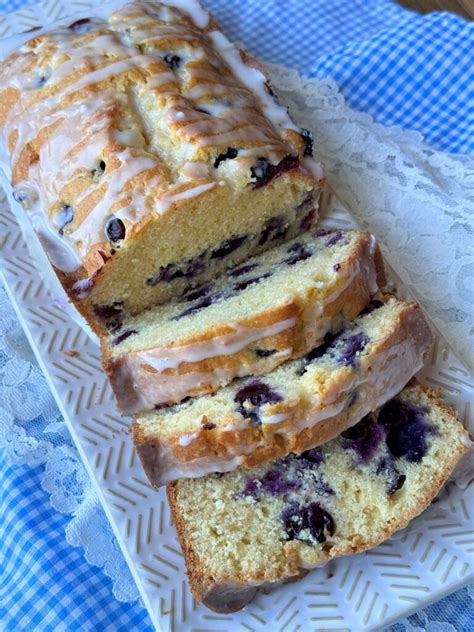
401,68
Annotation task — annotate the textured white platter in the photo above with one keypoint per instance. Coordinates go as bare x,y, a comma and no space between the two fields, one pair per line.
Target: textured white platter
430,558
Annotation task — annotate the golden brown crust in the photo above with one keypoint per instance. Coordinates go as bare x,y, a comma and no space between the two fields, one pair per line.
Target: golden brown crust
271,441
210,590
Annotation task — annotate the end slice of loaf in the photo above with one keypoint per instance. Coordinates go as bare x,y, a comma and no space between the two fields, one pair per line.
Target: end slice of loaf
150,154
298,406
273,308
247,529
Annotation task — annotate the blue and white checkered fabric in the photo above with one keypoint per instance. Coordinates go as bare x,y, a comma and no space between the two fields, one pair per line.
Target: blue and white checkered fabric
45,584
400,67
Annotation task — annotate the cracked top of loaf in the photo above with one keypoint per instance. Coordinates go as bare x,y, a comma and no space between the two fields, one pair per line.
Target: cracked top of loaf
109,122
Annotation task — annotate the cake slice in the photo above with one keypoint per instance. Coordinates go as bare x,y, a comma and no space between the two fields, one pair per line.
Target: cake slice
272,308
252,528
299,405
150,154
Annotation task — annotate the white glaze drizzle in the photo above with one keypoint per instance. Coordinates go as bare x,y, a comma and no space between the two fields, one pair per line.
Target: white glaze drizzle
91,230
60,253
148,391
164,203
253,79
65,62
224,345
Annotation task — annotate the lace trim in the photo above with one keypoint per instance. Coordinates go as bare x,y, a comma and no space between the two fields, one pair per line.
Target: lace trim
32,432
417,201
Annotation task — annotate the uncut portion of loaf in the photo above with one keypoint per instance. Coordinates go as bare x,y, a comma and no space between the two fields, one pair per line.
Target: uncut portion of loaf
247,529
299,405
150,154
272,308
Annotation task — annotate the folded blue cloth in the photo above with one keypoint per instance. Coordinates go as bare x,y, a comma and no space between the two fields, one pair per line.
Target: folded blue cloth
401,68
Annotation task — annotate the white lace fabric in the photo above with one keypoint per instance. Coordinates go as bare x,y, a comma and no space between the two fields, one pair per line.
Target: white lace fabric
415,200
33,432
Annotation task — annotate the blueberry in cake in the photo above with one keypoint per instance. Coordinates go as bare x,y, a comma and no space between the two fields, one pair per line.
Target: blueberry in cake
299,405
150,154
256,528
272,308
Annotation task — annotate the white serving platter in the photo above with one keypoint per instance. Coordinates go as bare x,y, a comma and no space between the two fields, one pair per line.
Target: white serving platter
422,563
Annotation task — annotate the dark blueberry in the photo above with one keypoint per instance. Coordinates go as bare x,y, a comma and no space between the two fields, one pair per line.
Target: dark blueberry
173,61
167,273
396,412
99,170
298,252
161,406
105,312
274,229
228,246
308,220
204,302
40,80
208,426
80,26
264,172
395,480
235,272
321,232
352,346
114,229
254,395
364,438
407,430
317,352
64,216
264,353
230,154
103,256
334,238
170,272
322,488
243,285
82,287
270,90
273,483
372,306
307,136
123,336
114,326
199,292
396,484
336,267
194,266
20,197
297,518
304,204
314,455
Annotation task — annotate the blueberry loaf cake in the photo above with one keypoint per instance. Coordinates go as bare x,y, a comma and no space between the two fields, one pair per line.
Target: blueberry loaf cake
252,528
150,154
299,405
272,308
